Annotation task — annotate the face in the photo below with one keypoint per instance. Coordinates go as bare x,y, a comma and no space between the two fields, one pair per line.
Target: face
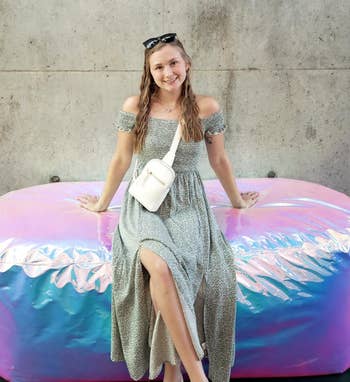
168,68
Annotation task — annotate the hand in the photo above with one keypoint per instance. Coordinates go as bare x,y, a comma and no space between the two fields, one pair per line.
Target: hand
89,202
248,199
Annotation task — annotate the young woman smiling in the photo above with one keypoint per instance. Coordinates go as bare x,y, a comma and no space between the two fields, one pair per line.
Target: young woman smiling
174,280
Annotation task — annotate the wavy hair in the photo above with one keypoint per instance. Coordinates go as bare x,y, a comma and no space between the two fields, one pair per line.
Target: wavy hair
191,125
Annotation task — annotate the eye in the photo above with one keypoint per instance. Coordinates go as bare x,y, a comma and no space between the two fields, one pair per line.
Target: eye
174,62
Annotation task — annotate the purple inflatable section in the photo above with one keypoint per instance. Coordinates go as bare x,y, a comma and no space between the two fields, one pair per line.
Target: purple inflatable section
293,271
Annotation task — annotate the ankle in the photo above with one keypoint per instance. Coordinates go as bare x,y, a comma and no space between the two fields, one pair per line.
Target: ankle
198,376
172,373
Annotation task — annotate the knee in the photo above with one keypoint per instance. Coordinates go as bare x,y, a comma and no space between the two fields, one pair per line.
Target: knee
155,265
161,271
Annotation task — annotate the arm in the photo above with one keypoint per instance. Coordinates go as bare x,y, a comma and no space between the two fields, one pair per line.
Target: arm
222,167
118,167
219,160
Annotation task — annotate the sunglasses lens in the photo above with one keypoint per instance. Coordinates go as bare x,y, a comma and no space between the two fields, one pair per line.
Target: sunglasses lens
151,42
168,37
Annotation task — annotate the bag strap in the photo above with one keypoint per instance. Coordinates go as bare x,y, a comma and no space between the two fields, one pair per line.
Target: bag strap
170,155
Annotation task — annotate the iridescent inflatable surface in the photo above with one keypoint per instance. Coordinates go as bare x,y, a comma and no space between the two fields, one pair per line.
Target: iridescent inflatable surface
293,273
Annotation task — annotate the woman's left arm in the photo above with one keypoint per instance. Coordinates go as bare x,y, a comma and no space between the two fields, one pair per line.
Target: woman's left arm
218,158
220,163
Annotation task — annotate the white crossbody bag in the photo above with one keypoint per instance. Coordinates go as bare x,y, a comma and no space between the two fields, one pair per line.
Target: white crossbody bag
153,184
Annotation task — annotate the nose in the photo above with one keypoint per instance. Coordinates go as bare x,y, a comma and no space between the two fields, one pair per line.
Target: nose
168,71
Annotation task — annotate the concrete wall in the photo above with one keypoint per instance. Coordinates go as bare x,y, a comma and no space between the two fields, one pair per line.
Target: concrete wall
280,70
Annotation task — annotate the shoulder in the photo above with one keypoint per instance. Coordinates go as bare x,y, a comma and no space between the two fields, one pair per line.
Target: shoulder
211,114
126,117
207,105
131,104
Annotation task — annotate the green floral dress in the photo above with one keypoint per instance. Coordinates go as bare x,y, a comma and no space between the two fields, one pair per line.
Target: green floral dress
185,234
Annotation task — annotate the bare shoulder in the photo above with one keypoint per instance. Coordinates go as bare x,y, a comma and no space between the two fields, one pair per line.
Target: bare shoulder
207,105
131,104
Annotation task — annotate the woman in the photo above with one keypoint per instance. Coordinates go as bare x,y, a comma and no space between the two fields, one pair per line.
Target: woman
173,296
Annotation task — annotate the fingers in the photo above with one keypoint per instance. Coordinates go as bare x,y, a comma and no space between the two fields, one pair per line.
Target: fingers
87,198
87,201
83,202
88,206
250,198
250,194
253,201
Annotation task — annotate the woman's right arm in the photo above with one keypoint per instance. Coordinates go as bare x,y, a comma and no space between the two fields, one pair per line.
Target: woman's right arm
118,166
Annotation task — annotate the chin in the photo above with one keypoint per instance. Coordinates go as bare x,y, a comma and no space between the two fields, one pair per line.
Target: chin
176,85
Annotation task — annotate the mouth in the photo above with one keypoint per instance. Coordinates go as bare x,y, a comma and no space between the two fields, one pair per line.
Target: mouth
171,81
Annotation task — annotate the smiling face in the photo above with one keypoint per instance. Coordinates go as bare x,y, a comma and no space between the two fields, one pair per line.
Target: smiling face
168,68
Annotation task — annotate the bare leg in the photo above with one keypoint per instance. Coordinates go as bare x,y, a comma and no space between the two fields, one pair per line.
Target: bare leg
167,300
171,373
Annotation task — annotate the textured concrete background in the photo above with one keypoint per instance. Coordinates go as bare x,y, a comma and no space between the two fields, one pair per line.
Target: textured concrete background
280,70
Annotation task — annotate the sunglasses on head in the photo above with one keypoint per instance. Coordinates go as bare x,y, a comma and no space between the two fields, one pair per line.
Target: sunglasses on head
153,41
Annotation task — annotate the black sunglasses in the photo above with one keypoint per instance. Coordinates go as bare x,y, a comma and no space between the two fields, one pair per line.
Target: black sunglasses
153,41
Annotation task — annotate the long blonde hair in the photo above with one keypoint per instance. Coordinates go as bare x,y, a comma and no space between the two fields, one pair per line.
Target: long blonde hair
191,125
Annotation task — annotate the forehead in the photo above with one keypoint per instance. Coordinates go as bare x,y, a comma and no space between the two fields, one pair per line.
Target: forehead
164,55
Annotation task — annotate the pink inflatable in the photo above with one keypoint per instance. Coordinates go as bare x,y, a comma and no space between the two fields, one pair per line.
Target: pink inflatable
293,272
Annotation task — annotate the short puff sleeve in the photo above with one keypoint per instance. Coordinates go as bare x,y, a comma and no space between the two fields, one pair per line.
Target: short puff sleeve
125,121
214,124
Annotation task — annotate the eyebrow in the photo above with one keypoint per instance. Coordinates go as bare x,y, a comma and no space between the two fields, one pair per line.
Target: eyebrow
160,63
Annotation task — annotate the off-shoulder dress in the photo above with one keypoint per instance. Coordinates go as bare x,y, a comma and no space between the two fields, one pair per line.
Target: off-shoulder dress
185,234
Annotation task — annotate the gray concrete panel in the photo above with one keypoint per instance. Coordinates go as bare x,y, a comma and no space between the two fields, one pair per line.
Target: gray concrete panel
295,123
58,124
264,34
282,121
280,70
76,35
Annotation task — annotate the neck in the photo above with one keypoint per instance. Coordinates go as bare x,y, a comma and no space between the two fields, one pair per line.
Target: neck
168,98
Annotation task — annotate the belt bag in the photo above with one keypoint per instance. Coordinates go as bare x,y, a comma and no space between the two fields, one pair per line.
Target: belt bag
153,184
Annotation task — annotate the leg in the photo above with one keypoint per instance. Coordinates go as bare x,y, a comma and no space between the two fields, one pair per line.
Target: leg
153,297
171,373
170,308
